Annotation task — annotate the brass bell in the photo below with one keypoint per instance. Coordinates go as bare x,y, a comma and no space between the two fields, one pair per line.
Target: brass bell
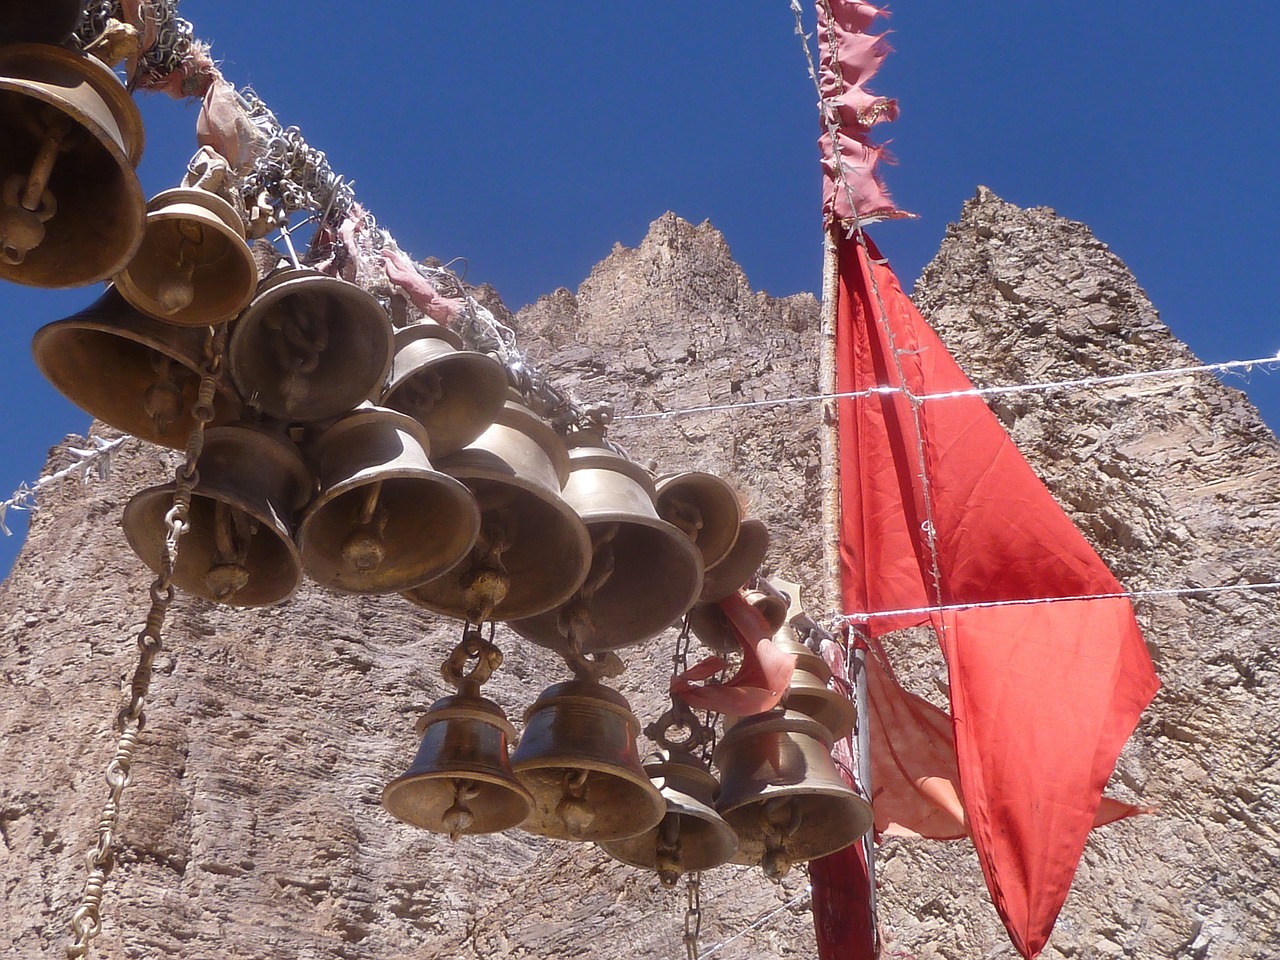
71,207
782,794
691,836
578,758
644,573
128,370
809,692
533,551
771,606
385,519
39,21
740,564
310,347
454,393
705,508
194,268
239,548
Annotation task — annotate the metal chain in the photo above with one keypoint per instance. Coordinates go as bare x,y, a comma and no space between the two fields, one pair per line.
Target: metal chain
693,916
86,922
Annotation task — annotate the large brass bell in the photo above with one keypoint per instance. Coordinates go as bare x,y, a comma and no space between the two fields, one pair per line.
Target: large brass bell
193,268
645,573
691,836
782,794
533,551
809,692
705,507
239,548
578,759
454,393
740,564
128,370
310,347
384,520
71,207
461,780
39,21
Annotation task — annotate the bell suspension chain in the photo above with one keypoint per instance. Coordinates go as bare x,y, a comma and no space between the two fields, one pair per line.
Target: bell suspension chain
86,922
693,916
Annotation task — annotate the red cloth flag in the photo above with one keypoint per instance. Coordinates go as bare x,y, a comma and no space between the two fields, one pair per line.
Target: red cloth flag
940,508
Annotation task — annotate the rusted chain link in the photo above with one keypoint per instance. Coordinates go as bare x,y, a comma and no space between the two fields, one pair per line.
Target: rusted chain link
86,922
693,916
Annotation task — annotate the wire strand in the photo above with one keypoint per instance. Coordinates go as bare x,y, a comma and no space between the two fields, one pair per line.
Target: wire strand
756,924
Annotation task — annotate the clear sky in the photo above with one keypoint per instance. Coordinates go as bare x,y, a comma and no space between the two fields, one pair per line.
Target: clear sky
530,137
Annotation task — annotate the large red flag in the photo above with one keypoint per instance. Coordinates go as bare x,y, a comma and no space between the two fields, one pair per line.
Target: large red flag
940,509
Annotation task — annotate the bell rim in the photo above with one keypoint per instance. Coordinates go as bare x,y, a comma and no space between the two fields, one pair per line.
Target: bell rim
714,590
511,785
645,790
751,848
620,849
664,482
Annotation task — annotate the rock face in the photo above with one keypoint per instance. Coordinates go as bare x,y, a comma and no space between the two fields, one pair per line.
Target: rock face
254,829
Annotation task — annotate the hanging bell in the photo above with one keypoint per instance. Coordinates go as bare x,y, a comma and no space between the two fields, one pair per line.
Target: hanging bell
771,606
385,520
126,369
38,21
71,207
691,836
239,548
705,508
644,573
194,268
454,393
809,692
782,793
533,551
740,564
578,759
310,347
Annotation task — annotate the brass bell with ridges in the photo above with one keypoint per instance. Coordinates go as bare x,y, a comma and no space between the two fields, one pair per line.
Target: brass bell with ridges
705,507
461,780
810,692
782,794
310,347
194,268
578,759
71,207
533,551
39,21
644,573
691,836
239,549
453,392
124,368
771,606
740,564
385,520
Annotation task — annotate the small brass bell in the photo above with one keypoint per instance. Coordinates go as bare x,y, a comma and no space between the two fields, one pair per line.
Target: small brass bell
772,607
384,519
310,347
71,207
782,793
39,21
740,564
128,370
461,780
533,551
809,692
644,573
194,268
691,836
454,393
239,548
705,508
578,758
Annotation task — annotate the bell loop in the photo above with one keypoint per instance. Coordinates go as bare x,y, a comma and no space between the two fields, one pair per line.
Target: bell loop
473,646
679,717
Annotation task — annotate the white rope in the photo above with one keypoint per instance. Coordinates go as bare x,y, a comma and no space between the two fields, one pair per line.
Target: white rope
1123,594
25,497
759,922
1265,364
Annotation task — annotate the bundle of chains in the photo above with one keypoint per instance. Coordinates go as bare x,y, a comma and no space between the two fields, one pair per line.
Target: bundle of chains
86,922
174,35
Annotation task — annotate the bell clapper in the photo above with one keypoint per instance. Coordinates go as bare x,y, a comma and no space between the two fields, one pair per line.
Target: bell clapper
363,548
685,515
233,532
669,863
177,290
423,392
298,342
574,809
459,816
486,584
781,819
163,400
28,201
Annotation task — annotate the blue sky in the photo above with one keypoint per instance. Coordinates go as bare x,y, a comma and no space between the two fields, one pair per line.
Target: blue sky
529,138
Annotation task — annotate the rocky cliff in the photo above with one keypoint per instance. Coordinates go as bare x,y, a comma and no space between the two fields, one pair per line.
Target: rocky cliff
253,828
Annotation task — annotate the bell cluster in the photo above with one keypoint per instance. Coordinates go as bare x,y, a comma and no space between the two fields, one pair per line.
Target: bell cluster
377,457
